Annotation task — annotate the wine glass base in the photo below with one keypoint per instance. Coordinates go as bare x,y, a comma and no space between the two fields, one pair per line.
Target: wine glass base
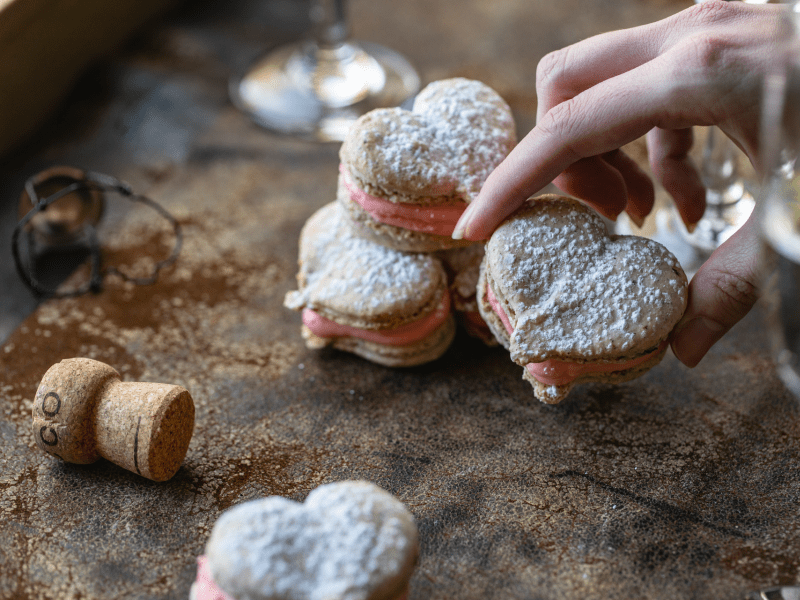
719,223
787,592
316,93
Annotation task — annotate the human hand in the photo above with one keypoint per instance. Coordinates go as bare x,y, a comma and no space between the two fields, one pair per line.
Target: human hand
702,66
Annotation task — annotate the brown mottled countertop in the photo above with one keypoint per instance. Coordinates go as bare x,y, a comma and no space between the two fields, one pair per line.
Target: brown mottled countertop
682,484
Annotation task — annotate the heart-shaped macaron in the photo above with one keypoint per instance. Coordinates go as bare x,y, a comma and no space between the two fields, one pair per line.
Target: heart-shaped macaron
387,306
348,541
415,171
562,294
457,132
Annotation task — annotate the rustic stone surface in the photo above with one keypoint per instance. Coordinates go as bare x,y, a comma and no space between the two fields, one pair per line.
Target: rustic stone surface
680,484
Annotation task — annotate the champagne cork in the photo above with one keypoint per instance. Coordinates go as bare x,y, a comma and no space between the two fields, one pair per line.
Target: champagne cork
82,411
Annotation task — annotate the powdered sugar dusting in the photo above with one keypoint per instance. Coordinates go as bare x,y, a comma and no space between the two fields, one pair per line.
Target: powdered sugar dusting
343,542
575,291
351,275
472,125
458,131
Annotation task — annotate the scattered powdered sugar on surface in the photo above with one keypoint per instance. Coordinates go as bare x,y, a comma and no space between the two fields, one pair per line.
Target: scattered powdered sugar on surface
354,275
459,130
344,541
574,290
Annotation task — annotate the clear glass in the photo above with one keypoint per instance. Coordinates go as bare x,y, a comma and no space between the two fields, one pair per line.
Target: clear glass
779,210
316,88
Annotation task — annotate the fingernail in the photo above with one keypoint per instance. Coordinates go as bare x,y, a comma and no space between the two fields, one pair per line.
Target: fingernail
462,227
693,339
611,216
637,220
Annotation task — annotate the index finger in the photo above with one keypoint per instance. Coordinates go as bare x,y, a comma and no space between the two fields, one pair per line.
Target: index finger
569,71
603,118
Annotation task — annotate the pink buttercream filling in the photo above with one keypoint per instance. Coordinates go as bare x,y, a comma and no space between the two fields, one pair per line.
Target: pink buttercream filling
438,220
207,589
399,336
560,372
205,586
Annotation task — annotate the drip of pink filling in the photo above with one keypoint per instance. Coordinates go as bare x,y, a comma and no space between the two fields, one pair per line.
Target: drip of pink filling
438,220
205,587
399,336
560,372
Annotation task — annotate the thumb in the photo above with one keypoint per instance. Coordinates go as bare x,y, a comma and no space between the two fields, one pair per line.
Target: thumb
722,291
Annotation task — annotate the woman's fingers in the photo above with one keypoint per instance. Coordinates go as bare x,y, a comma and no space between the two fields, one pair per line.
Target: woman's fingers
567,72
672,166
598,182
720,294
597,121
702,67
612,182
641,194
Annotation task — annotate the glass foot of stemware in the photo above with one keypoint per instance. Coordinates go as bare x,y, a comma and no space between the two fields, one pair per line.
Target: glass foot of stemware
719,222
315,92
776,593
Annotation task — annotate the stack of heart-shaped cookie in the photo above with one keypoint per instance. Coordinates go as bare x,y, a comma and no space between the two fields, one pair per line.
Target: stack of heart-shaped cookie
380,274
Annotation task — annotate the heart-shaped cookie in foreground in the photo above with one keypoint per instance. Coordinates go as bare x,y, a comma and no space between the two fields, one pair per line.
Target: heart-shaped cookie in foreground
406,176
573,303
349,540
390,307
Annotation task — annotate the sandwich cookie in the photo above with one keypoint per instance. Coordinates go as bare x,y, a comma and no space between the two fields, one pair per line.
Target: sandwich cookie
349,540
463,269
407,176
390,307
574,304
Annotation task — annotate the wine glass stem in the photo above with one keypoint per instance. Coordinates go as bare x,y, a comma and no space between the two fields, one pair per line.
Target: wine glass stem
720,171
330,24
